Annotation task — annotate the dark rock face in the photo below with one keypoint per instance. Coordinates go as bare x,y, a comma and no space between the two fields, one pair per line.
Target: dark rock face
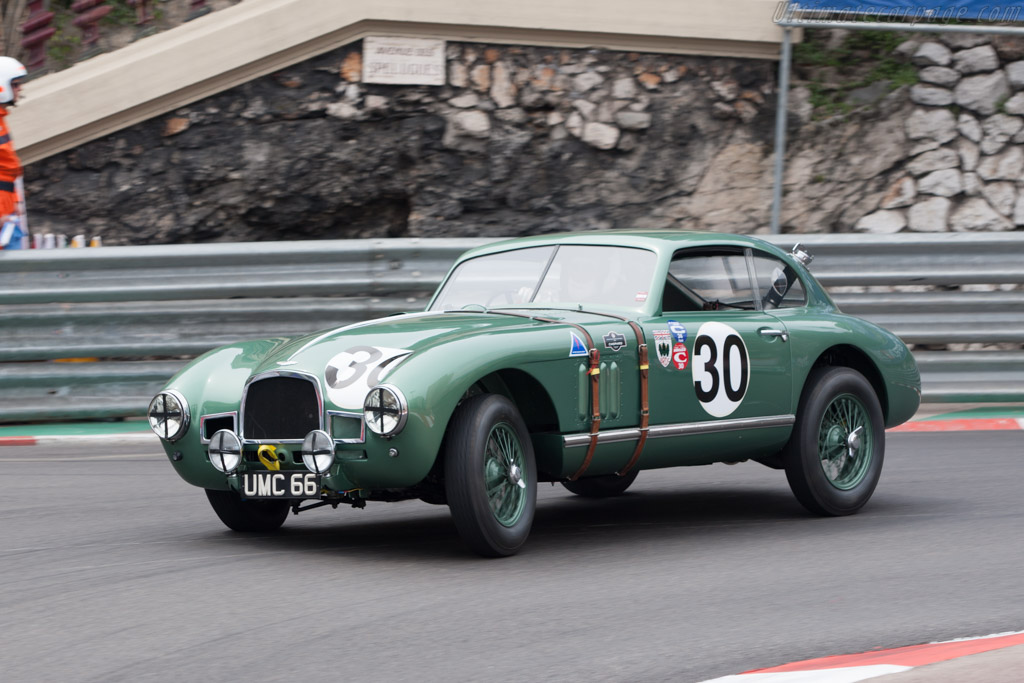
521,141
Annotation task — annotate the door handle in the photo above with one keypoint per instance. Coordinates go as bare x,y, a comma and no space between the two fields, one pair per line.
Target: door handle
769,332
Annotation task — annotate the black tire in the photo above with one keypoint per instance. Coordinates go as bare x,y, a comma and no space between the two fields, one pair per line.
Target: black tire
604,486
485,438
830,473
248,515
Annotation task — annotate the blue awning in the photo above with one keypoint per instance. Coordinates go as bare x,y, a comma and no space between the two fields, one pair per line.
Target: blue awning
911,10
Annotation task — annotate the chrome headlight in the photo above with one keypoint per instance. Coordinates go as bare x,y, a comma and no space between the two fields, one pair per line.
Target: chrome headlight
318,451
225,451
168,415
385,410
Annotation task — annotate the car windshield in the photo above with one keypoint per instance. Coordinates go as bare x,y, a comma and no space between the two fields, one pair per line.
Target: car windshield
562,276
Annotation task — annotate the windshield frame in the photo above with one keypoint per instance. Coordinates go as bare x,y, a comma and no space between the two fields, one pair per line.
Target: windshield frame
641,306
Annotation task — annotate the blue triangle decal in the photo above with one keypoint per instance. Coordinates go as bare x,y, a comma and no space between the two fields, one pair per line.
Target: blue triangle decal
577,347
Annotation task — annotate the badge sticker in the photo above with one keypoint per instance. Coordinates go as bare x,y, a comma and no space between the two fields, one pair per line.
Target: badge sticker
678,331
663,345
679,356
721,368
641,297
614,341
576,346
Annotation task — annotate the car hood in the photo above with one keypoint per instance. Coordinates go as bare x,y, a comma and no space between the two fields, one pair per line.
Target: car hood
400,335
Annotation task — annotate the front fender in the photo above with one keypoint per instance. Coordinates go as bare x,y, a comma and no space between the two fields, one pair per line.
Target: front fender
212,383
434,380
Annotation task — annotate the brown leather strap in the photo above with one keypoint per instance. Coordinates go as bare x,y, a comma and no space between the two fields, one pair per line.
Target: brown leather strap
595,383
595,376
645,410
594,371
595,406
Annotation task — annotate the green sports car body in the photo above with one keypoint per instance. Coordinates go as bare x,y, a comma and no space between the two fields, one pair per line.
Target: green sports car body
580,358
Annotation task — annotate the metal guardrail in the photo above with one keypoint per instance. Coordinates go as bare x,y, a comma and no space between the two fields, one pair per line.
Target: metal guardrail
142,312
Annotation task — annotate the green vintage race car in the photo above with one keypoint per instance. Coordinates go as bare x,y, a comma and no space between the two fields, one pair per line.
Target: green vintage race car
580,359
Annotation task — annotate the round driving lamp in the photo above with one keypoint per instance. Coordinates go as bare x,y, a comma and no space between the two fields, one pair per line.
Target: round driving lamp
225,451
318,451
385,410
168,415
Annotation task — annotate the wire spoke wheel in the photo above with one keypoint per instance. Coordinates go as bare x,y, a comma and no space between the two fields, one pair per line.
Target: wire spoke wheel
834,456
844,442
490,475
503,474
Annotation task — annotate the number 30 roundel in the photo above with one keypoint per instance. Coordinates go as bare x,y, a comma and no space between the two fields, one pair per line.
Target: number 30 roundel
721,368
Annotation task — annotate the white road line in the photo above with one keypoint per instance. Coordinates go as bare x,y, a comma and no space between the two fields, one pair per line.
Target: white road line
845,675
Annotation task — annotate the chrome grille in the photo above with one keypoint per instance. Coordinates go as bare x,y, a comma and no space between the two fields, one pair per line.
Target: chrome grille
281,408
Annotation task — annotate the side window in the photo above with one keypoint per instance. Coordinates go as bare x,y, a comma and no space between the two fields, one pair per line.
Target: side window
778,283
709,281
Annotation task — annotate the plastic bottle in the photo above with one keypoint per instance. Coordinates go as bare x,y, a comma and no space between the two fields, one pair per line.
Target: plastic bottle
11,236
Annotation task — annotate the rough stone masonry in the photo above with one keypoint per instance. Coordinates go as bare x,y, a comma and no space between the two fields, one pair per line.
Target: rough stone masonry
527,140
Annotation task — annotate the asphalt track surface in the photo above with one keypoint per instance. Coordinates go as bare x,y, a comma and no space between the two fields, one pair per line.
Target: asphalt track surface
115,570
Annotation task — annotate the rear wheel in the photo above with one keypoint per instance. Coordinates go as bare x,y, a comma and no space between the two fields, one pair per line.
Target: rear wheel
248,515
604,486
490,475
834,457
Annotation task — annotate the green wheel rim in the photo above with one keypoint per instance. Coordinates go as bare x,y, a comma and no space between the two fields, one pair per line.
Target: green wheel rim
845,442
504,474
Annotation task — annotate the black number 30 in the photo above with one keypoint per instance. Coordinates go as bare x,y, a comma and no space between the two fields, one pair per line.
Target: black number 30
721,368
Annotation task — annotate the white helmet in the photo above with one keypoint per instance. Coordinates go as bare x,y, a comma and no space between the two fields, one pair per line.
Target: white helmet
10,70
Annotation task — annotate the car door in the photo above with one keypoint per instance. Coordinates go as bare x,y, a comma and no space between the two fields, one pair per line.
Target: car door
721,364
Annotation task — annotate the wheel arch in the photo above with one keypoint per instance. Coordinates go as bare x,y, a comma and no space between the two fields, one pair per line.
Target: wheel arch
531,399
526,392
848,356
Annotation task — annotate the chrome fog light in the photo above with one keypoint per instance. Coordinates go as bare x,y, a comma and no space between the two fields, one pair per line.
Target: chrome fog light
168,415
225,451
318,451
385,410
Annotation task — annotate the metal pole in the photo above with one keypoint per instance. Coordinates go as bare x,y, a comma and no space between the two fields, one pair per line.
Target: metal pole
781,107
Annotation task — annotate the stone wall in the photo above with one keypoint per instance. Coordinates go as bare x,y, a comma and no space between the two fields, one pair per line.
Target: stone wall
526,140
963,169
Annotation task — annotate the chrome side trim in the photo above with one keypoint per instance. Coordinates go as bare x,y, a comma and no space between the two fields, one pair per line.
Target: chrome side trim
280,373
202,423
355,416
681,429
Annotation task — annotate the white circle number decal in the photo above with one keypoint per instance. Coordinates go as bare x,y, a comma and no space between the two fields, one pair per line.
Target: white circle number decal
350,374
721,368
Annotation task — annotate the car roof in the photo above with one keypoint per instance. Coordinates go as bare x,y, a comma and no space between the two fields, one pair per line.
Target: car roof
655,240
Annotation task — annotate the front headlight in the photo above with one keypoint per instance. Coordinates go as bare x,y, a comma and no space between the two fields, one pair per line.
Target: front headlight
318,451
385,410
225,451
168,415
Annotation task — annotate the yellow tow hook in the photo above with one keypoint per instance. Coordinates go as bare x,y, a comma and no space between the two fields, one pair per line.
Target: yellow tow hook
268,456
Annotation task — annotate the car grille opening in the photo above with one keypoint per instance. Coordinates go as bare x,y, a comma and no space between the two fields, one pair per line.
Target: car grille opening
212,425
346,427
279,408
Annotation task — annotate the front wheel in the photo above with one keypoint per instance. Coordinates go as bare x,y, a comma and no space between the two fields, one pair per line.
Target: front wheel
605,486
248,515
834,457
490,475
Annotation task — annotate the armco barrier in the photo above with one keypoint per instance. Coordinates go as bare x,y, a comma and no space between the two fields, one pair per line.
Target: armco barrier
136,314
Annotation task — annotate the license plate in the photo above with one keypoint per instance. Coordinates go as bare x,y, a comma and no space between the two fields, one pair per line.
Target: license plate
280,485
